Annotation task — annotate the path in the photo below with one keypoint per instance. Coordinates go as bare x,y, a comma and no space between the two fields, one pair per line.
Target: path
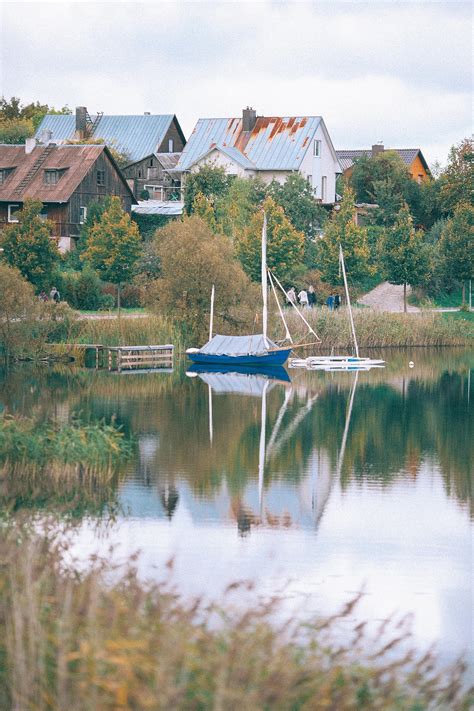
108,316
387,297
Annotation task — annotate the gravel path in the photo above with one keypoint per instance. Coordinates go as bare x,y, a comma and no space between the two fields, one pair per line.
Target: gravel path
387,297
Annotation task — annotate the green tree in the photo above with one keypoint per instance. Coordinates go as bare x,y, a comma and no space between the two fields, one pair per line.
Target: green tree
18,308
403,255
457,180
342,230
235,209
285,245
296,197
457,244
192,259
13,131
212,181
114,246
18,122
29,246
202,208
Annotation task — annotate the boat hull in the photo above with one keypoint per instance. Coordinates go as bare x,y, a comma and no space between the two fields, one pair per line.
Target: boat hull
266,359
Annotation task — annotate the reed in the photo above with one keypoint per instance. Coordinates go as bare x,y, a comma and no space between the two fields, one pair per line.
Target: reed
144,331
379,330
87,640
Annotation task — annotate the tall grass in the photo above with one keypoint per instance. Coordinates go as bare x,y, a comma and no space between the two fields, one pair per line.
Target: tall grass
143,331
86,641
378,330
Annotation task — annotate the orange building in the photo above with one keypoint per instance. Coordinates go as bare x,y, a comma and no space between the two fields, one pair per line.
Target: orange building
412,157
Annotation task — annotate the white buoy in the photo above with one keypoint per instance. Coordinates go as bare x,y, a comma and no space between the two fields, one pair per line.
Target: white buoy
411,364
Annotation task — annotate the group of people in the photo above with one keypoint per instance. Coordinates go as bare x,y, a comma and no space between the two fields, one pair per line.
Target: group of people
54,295
307,298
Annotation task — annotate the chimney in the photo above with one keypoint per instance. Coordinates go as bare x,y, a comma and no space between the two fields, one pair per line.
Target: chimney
146,113
377,148
46,136
30,145
81,122
249,119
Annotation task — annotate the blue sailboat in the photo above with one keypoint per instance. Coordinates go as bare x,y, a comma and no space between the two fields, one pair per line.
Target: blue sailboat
256,350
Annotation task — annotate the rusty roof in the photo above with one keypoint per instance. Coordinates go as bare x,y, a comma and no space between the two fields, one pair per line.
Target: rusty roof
275,142
27,178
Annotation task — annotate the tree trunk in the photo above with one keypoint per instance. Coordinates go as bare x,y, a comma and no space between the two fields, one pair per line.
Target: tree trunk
405,296
119,315
463,302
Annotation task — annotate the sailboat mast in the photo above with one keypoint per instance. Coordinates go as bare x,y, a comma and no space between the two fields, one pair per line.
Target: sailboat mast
343,267
211,322
264,279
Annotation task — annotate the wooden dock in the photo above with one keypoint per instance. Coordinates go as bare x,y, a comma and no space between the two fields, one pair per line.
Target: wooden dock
144,357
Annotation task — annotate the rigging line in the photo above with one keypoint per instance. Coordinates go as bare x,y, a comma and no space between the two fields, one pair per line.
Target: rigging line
297,309
287,332
305,410
261,449
342,451
276,428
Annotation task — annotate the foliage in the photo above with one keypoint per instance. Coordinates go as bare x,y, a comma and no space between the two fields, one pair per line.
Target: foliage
457,179
210,180
296,198
285,245
192,260
101,639
18,122
82,290
457,244
148,224
403,255
15,131
342,230
384,166
203,208
18,308
113,245
122,159
29,247
141,331
235,210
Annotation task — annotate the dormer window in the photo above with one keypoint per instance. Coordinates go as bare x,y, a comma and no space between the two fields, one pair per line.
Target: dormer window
4,173
52,176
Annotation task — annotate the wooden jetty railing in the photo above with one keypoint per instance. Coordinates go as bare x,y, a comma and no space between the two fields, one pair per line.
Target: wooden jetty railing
120,357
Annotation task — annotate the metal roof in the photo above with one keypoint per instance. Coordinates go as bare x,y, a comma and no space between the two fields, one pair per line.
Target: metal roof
135,136
275,143
27,180
408,155
158,207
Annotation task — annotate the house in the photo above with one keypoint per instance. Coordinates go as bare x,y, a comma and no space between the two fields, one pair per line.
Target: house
269,147
66,179
135,137
412,157
153,177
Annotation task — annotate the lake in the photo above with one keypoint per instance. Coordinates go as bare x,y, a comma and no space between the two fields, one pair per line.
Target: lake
314,485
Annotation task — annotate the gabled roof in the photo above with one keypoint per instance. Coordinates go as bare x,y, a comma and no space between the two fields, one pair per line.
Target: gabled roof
275,143
27,180
408,155
135,136
167,161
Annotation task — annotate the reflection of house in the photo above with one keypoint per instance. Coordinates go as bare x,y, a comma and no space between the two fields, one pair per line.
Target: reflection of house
269,147
412,157
66,179
135,137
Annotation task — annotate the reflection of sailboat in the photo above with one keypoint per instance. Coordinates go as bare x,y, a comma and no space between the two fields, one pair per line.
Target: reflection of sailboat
254,350
344,362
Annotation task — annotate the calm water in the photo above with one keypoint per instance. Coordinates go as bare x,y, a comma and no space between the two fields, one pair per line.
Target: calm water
315,484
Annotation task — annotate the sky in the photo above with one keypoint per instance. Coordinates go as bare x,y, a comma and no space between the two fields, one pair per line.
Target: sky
396,72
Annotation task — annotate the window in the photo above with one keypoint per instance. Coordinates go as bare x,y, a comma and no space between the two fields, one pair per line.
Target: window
101,177
151,162
170,145
82,215
324,186
51,177
420,178
309,178
43,214
317,148
4,173
12,210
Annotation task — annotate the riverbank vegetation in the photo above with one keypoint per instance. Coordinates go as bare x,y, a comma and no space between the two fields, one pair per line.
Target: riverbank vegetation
94,638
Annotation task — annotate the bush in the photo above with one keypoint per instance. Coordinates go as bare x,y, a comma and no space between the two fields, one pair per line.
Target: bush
107,302
81,290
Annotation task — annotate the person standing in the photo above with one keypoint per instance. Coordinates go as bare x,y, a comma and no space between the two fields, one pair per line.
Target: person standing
54,295
311,297
330,302
337,301
291,295
303,298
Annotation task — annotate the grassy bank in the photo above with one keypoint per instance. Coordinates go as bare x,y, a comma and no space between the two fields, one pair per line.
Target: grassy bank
379,330
150,330
69,640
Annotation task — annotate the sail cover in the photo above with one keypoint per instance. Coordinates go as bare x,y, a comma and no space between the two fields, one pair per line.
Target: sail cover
238,345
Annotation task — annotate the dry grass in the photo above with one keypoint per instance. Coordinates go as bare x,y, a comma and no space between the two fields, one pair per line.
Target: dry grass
378,330
148,330
73,641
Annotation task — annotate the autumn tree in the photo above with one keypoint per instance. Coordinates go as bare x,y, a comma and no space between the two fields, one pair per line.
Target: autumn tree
19,121
285,245
235,209
113,246
403,254
29,246
296,198
342,230
457,245
18,308
211,181
192,259
457,180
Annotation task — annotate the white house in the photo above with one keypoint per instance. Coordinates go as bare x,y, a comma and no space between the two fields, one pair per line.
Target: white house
270,147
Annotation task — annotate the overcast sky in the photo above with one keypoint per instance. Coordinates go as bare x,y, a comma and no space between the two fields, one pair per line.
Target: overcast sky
398,72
